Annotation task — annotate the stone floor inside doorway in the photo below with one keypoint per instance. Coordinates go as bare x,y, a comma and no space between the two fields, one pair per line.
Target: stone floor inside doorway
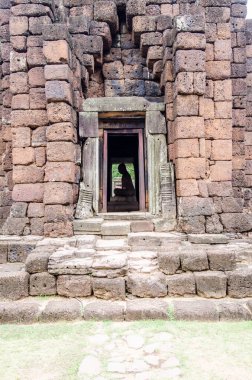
142,350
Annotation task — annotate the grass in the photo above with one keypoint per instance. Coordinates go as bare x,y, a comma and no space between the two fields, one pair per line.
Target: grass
207,351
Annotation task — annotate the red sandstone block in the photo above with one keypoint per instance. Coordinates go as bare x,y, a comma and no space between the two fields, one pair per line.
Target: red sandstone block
186,105
187,187
239,117
56,51
18,25
58,229
186,148
58,213
19,43
113,70
221,171
221,150
23,156
150,39
27,174
223,110
19,83
61,151
58,72
189,60
190,168
37,98
20,101
60,172
188,40
36,24
40,156
219,129
223,90
36,77
206,108
106,11
33,41
4,16
218,69
189,127
30,10
21,137
59,112
39,136
58,193
61,132
184,83
35,56
32,192
35,210
142,24
17,62
58,91
222,50
29,118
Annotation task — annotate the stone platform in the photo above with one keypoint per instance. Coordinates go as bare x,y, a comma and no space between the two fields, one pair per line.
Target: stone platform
121,271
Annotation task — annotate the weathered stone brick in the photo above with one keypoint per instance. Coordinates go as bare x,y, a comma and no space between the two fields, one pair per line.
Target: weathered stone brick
149,39
186,148
42,284
30,10
190,168
74,286
35,210
58,91
19,43
217,14
58,229
221,171
37,98
36,77
29,118
27,174
113,70
186,41
211,284
193,206
61,151
58,213
186,105
61,132
187,187
58,72
35,57
58,193
236,222
143,285
102,29
20,101
219,129
181,284
19,83
169,262
109,288
142,24
194,261
56,51
36,24
17,62
18,25
222,50
221,150
218,70
223,90
21,137
189,60
240,283
106,11
189,127
60,172
23,156
59,112
28,192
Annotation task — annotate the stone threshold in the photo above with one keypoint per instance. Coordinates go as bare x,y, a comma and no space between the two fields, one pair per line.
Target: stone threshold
34,310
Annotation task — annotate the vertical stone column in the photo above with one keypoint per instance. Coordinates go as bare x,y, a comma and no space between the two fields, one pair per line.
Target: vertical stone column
62,96
5,104
189,132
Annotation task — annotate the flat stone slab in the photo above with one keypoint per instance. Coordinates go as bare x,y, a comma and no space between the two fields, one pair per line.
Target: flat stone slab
142,309
104,310
67,310
108,245
208,238
92,225
115,228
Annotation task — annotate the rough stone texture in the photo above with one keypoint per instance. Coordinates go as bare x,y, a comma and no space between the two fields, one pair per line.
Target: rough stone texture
68,310
74,286
104,310
37,261
181,284
169,262
143,309
194,261
195,310
142,285
211,284
240,283
230,311
42,284
19,312
13,285
109,288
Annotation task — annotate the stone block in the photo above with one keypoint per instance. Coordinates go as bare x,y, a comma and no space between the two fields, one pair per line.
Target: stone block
37,98
211,284
28,192
106,11
36,77
13,285
236,222
221,260
184,83
218,70
200,310
29,118
58,213
186,105
39,137
189,168
219,129
233,311
240,283
102,29
58,193
59,112
143,309
58,91
189,60
194,260
27,174
60,172
193,206
223,90
186,148
104,310
221,150
58,72
21,137
185,41
18,252
20,101
150,39
187,187
190,23
169,262
19,312
37,226
90,45
142,24
61,132
3,252
189,127
221,171
23,156
113,70
18,25
42,284
222,50
78,24
67,310
115,228
217,14
37,261
74,286
35,57
181,284
56,51
19,83
61,151
141,226
17,62
109,288
151,285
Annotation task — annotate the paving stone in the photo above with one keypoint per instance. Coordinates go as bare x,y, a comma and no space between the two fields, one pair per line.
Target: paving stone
195,310
146,309
13,285
67,310
19,312
104,310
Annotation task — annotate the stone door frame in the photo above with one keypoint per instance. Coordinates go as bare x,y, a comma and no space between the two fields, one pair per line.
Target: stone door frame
156,136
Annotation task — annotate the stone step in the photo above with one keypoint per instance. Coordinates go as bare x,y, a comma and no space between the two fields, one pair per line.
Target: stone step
133,215
154,239
115,228
13,281
88,226
112,244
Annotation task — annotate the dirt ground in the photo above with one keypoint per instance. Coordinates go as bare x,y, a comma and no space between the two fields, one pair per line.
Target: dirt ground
206,351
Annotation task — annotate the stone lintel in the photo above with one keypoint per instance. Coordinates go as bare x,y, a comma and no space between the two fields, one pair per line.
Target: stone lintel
125,104
155,122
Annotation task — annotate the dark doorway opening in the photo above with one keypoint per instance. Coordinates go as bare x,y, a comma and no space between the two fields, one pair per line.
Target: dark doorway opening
123,146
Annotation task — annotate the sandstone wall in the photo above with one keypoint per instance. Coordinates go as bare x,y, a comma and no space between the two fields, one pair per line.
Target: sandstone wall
55,54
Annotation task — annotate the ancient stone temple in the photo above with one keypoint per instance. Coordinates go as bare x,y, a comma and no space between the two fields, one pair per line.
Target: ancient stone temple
164,86
126,153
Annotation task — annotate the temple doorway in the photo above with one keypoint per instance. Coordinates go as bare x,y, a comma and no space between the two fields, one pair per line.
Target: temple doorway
123,168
